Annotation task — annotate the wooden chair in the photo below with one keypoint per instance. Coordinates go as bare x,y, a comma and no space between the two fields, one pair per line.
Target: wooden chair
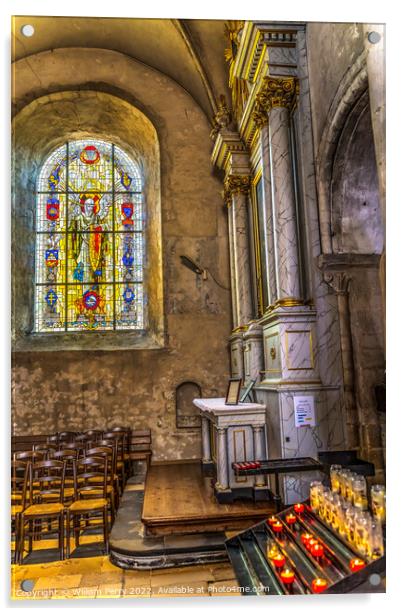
141,446
94,435
90,473
67,436
112,487
19,484
46,483
119,439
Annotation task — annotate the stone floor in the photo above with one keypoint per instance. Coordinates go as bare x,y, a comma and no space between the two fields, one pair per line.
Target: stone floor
97,578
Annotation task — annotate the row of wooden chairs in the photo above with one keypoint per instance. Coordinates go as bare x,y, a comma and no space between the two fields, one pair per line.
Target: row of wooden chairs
73,491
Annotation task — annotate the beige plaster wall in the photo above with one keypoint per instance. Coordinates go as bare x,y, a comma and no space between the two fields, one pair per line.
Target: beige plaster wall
59,389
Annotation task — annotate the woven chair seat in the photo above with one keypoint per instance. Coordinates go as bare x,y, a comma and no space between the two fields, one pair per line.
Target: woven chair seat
90,504
44,509
15,509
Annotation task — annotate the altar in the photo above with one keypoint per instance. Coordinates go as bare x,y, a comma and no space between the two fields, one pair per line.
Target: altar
233,433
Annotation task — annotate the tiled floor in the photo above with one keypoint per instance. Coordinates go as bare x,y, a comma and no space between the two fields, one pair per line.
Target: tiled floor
94,578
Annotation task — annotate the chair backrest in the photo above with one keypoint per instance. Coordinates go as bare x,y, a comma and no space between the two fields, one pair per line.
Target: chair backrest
29,456
94,435
119,438
90,472
46,478
19,481
104,451
127,435
53,438
67,436
45,449
80,447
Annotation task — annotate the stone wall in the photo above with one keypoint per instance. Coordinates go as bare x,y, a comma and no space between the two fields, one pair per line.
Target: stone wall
81,388
349,202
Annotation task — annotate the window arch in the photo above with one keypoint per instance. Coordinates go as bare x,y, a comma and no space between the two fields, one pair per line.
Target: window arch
89,240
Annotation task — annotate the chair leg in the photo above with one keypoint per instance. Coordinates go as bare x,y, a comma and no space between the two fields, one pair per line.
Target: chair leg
22,540
76,530
67,534
105,530
61,536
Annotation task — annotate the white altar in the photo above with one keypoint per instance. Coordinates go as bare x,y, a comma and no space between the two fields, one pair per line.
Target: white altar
233,433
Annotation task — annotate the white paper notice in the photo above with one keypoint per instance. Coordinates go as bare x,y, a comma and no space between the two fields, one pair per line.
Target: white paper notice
304,411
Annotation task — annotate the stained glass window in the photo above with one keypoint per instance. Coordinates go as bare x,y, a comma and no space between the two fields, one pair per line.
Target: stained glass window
89,240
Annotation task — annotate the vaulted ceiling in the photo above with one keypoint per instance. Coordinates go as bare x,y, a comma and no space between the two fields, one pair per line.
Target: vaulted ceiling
189,51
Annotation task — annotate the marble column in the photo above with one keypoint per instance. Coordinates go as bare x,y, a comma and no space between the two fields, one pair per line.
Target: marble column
276,98
238,187
222,455
268,214
206,443
232,267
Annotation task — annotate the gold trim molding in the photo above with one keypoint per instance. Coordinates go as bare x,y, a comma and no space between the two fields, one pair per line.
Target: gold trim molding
235,184
274,92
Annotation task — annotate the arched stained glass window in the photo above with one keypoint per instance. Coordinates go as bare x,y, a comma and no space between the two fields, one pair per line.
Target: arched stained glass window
89,240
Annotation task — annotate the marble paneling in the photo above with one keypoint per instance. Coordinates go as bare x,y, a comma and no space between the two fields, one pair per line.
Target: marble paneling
327,328
286,235
253,353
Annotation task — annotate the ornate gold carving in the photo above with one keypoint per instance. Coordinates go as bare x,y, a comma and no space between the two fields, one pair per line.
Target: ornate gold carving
276,92
222,118
260,116
272,352
236,184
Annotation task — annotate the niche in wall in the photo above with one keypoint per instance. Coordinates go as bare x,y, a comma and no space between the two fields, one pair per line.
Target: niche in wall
187,415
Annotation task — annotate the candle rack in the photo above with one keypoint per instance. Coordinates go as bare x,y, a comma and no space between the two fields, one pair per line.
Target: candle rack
252,554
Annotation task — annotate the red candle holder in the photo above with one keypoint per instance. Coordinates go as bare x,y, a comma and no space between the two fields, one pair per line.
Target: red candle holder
317,550
278,560
311,543
291,518
277,527
305,537
299,507
271,520
318,585
356,564
287,576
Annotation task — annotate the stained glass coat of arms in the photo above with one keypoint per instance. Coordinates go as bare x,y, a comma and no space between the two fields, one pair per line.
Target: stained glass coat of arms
89,240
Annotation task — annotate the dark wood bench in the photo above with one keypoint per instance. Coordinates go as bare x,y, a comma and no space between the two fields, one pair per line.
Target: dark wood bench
140,446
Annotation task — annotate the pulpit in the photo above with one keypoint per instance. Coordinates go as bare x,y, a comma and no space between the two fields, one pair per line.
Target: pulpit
233,433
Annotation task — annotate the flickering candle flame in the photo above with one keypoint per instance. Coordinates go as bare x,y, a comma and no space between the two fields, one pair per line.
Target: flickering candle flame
271,520
356,564
279,560
319,584
291,518
311,543
287,576
306,537
277,526
317,550
299,507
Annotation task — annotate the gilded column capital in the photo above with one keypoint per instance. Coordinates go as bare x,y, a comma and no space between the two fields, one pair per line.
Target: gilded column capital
236,184
276,92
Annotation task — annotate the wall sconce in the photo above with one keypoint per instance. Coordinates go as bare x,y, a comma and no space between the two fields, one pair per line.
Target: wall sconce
197,269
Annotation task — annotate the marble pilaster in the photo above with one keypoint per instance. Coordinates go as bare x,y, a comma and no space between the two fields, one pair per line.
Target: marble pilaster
241,254
268,213
236,355
206,443
232,268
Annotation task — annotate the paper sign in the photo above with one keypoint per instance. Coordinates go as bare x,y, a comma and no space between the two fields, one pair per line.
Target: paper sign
304,411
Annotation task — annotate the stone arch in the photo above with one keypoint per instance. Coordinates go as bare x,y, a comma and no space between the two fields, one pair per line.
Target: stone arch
351,88
187,416
356,225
